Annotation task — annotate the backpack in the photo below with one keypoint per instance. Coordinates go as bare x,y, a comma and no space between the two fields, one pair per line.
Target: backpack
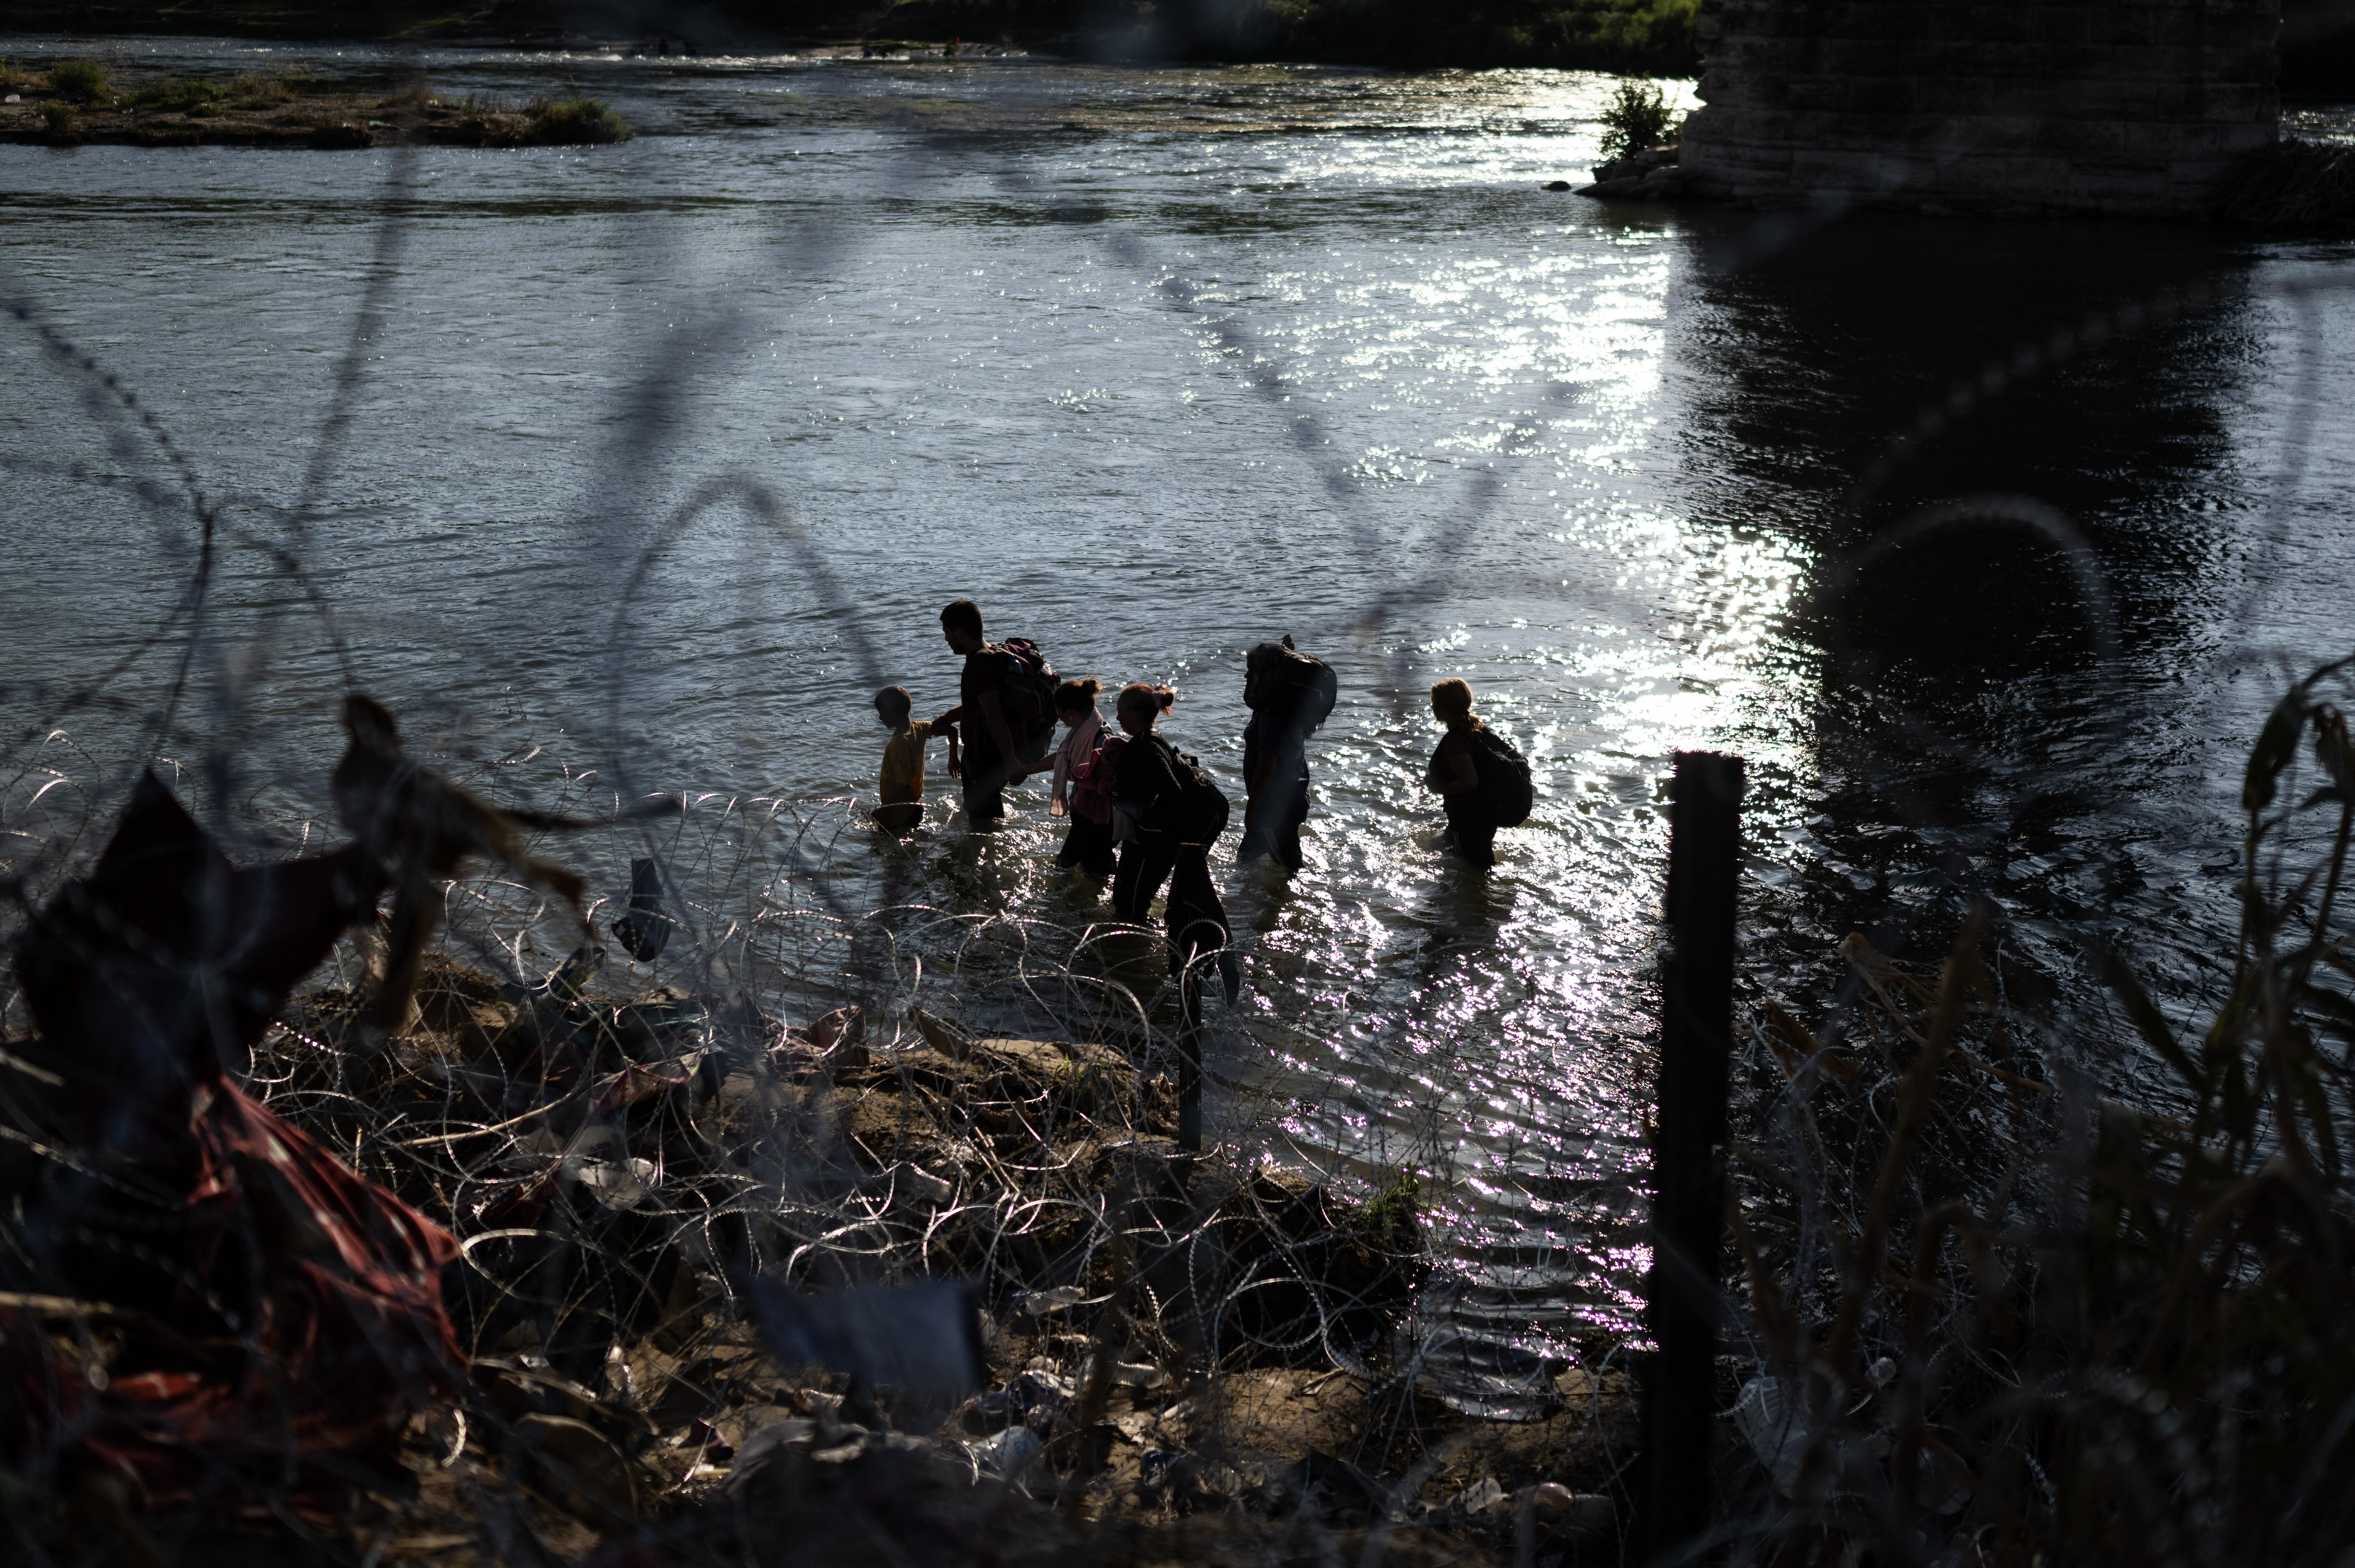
1282,681
1026,695
1507,793
1201,814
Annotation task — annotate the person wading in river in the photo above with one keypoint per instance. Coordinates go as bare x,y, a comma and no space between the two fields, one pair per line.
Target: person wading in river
1455,774
994,756
1289,694
1084,769
1167,813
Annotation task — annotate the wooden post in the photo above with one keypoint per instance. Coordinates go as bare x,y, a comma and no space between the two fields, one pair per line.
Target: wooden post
1687,1161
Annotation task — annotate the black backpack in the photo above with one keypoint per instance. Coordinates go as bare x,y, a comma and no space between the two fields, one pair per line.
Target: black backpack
1283,683
1507,793
1026,695
1201,814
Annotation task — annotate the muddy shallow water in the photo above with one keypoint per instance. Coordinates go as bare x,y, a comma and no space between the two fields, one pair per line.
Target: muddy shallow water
1156,364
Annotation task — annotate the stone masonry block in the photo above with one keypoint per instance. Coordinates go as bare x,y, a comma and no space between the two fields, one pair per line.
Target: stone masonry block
2113,187
2091,105
2238,101
2159,140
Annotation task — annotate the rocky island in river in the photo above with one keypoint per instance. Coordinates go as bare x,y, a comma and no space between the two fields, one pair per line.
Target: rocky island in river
76,102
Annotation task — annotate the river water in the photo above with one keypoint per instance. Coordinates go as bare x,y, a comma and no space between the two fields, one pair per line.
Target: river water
1156,364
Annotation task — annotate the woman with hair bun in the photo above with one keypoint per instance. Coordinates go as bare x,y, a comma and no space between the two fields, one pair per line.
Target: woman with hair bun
1153,822
1455,773
1084,769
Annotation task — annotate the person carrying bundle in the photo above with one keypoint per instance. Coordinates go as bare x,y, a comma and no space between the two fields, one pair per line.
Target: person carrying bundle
1290,693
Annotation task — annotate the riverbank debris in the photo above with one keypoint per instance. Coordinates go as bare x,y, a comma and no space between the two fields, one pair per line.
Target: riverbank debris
583,1280
203,1304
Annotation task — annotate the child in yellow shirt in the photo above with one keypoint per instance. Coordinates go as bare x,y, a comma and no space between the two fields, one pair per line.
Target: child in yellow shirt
903,786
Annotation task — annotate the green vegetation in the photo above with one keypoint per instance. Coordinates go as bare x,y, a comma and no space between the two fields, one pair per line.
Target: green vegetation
83,79
290,108
1636,120
1391,1211
1652,37
190,95
268,89
1649,38
574,120
2050,1314
569,120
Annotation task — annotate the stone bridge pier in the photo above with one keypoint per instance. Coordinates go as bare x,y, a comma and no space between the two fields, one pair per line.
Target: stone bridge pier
2129,107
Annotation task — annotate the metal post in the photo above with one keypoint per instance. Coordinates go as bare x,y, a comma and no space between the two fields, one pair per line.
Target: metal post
1189,1060
1687,1161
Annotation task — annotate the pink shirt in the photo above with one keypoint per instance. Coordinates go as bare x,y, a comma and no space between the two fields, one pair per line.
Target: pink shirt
1090,795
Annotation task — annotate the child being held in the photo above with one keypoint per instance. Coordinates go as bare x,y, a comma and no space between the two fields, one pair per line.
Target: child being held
903,757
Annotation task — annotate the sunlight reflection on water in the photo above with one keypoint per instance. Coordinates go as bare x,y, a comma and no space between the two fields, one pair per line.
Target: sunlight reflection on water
1401,376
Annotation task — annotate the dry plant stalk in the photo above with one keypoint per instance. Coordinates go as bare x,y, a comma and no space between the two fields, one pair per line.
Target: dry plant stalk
2055,1333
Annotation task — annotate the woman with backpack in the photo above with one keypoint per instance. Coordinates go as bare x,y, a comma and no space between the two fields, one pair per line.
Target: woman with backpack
1167,814
1084,769
1455,773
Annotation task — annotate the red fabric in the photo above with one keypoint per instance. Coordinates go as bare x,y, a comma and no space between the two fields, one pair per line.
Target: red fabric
307,1325
329,1288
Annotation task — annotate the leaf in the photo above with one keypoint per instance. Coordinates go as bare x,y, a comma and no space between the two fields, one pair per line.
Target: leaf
2331,750
2339,1010
2277,744
2240,1105
2316,1101
2148,1021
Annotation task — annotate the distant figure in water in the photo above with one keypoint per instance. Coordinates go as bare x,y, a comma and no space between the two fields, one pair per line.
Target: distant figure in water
1084,769
1455,774
902,784
1167,815
1289,694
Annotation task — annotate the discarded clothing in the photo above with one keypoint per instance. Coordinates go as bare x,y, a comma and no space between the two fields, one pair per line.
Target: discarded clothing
285,1315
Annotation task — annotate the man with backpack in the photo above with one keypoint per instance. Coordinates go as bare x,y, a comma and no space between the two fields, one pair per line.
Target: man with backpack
1290,693
1004,711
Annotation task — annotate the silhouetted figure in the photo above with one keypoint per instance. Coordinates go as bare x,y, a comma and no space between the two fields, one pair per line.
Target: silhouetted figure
646,930
1290,693
1173,814
418,827
1004,711
1084,769
1454,773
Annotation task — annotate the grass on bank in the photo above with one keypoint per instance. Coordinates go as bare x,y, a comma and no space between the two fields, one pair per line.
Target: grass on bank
84,79
2019,1324
187,95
